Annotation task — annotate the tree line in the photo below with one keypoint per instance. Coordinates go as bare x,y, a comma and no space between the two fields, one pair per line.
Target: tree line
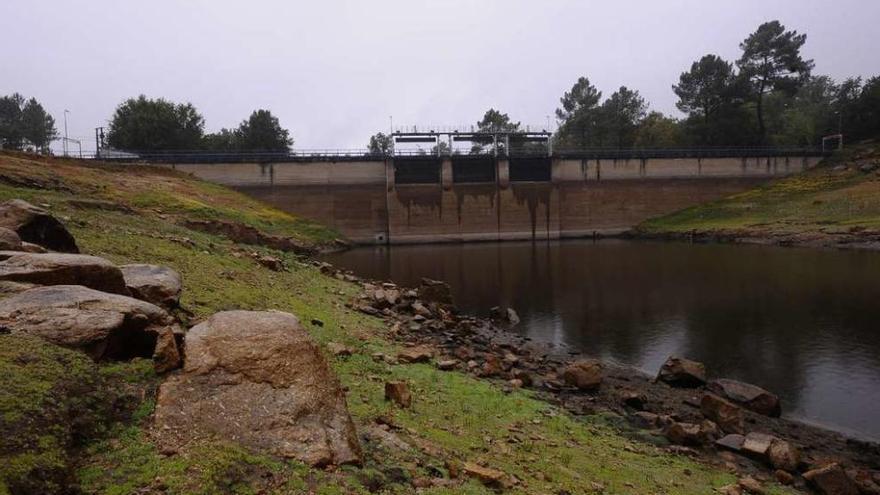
767,97
145,124
25,124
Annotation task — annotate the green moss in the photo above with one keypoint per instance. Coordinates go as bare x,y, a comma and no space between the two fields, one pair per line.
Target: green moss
50,401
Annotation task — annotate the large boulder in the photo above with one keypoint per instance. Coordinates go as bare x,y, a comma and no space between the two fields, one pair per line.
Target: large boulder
750,396
9,240
259,379
104,326
728,416
681,372
583,375
36,225
62,269
159,285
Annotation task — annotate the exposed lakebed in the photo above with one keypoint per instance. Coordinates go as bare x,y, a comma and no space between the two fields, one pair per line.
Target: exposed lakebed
802,323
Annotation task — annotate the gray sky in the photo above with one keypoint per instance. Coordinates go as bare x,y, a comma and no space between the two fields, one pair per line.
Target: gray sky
333,71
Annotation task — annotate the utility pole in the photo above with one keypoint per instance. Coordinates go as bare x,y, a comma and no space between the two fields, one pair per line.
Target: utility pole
99,141
66,111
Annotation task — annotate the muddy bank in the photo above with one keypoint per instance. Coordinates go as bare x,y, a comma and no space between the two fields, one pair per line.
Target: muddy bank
852,238
642,407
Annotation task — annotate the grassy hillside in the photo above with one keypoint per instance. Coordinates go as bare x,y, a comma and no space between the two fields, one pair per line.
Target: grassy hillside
840,197
136,214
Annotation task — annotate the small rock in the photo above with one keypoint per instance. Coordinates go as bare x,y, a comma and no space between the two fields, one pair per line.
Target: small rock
420,309
9,240
757,444
783,477
416,354
36,225
644,420
339,350
751,485
682,372
728,416
750,396
398,392
733,442
831,480
585,375
685,434
492,478
435,291
783,455
166,355
524,376
730,490
447,364
512,316
491,366
152,283
869,167
270,262
633,399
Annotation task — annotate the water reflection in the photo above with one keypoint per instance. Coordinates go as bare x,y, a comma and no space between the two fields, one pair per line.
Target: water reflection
802,323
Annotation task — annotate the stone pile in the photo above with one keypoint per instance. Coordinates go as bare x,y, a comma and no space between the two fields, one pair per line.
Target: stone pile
79,301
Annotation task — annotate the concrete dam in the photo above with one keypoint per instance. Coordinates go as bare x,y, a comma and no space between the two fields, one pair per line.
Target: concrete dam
430,198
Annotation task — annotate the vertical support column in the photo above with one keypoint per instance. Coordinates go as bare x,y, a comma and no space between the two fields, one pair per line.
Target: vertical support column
446,178
389,174
503,172
556,172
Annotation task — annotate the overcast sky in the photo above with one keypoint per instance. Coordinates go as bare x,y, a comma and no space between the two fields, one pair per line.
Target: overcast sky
334,71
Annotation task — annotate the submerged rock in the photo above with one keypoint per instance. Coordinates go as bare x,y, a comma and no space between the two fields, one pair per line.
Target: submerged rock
63,269
751,397
36,225
682,372
159,285
259,379
104,326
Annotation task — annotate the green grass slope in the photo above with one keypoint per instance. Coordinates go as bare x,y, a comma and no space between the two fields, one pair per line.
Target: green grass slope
838,196
455,418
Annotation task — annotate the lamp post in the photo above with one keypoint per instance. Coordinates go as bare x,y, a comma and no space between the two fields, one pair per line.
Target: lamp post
66,111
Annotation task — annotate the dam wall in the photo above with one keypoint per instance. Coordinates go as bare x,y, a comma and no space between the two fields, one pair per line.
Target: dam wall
481,198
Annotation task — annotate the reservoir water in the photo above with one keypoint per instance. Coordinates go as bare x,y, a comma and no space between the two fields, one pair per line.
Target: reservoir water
802,323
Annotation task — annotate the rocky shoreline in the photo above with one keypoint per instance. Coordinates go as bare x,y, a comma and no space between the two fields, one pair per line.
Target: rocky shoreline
723,422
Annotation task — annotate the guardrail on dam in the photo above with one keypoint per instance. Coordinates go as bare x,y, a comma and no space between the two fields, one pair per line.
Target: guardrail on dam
429,198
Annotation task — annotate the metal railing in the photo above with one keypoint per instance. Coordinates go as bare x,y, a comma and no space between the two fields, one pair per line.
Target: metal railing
328,154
